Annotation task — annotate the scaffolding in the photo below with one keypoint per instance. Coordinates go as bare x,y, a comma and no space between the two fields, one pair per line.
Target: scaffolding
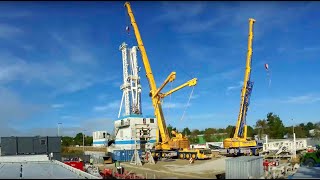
142,138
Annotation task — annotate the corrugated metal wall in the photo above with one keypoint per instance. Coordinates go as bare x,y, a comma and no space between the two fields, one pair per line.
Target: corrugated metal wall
25,145
123,155
8,146
244,167
31,145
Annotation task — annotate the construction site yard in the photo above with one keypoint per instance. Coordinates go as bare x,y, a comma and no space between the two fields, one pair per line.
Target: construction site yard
176,169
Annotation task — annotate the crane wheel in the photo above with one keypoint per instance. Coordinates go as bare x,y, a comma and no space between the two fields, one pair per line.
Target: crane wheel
187,156
157,155
181,155
153,154
163,155
193,156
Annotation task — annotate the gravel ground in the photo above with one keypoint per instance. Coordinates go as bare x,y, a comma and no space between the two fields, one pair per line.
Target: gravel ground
177,169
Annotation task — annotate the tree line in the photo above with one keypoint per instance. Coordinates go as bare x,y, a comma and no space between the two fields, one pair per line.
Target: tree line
272,126
77,140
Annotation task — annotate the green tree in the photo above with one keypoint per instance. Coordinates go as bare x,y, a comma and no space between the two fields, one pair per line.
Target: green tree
250,132
221,130
309,126
78,140
193,139
230,130
195,132
300,132
210,131
88,140
67,141
186,131
261,127
276,128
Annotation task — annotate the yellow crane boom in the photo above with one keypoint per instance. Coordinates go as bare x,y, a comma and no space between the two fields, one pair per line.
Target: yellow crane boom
239,139
154,92
244,91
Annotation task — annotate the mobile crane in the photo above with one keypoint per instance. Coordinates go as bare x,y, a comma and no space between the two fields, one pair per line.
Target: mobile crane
239,144
165,146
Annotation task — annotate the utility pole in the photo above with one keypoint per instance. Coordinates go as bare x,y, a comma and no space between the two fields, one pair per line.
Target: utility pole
292,126
294,141
59,129
83,140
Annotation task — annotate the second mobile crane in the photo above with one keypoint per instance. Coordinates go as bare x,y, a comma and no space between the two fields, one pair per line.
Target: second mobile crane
239,144
165,146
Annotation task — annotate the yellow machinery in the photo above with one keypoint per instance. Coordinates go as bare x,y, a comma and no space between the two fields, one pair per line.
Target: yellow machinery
164,145
239,144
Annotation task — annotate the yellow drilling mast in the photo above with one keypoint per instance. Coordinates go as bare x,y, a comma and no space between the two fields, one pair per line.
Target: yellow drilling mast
239,144
164,144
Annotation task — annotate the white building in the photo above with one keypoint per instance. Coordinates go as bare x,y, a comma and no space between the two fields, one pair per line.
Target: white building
130,130
100,138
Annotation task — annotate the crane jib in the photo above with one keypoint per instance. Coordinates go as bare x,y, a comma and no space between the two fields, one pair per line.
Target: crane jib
245,107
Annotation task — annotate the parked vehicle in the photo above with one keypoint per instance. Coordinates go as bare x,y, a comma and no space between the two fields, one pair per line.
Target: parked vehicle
311,158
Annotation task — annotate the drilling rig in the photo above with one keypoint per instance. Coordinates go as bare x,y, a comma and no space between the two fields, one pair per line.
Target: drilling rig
239,144
165,146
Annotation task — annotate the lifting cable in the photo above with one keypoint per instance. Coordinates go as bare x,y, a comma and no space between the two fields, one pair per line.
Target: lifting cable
185,109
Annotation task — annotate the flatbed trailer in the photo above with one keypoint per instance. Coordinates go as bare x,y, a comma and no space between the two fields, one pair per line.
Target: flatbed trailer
183,154
242,151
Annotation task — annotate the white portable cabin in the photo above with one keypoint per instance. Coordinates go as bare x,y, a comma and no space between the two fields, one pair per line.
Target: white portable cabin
100,138
127,131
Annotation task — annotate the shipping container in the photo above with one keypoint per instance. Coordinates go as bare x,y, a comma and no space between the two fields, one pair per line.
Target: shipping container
25,145
31,145
54,144
40,144
244,167
8,146
123,155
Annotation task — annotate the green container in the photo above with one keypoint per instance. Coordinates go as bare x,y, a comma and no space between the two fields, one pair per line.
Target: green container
201,140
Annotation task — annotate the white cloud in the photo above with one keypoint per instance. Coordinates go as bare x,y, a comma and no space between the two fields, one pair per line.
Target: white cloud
111,105
13,109
77,51
196,96
175,11
63,78
304,99
240,83
67,117
14,14
8,31
87,125
229,74
56,106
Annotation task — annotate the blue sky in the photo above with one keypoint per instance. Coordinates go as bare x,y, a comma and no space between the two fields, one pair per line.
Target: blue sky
60,62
